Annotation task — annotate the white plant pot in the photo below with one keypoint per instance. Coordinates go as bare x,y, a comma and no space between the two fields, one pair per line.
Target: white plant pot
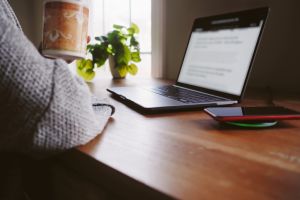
113,70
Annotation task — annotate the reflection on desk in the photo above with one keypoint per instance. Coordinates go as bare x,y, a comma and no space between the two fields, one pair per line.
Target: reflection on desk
187,155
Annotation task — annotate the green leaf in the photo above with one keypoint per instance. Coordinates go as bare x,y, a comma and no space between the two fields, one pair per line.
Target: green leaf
110,49
101,39
123,41
127,54
123,56
84,64
85,69
122,71
100,54
115,37
135,28
79,64
100,62
134,42
131,31
90,47
89,64
135,57
89,75
132,69
118,27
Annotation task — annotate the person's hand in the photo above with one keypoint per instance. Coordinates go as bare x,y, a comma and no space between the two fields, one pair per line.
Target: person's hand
68,61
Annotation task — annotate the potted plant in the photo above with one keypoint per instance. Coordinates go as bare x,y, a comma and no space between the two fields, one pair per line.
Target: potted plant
119,46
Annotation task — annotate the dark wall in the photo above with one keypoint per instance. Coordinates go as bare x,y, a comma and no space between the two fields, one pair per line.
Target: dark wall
29,13
278,60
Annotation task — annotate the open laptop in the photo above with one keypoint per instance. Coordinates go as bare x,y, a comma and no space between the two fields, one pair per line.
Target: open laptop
215,68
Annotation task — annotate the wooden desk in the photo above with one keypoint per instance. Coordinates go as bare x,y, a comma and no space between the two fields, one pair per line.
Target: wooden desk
187,155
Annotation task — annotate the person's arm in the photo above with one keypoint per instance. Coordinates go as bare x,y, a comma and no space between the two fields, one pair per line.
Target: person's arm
42,106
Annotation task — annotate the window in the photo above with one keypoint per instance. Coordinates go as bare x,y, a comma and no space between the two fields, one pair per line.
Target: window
105,13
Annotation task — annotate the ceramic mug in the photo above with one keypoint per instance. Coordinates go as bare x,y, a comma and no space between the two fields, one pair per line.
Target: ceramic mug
65,28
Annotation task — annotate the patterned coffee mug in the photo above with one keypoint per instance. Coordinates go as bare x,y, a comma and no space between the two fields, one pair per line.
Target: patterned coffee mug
65,28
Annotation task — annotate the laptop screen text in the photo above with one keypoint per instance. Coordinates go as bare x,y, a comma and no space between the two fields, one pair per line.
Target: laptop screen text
218,57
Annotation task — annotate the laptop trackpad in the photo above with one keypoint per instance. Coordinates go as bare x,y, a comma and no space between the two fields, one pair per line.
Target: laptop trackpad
144,98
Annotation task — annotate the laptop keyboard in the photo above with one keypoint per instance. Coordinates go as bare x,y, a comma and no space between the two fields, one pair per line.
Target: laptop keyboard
184,95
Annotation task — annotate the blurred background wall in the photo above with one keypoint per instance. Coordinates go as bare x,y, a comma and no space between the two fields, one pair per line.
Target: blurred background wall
277,63
29,13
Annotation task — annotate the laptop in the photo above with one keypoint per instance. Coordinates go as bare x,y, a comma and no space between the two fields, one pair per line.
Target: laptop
215,67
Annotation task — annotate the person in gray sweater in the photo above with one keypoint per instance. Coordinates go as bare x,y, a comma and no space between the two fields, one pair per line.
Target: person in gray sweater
43,107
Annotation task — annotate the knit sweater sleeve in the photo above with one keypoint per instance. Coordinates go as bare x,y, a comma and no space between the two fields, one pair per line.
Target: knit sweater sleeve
42,106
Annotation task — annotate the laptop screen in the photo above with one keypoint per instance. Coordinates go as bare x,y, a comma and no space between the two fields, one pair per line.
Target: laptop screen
219,54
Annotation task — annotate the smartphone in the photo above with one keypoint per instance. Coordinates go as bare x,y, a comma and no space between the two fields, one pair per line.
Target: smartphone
234,114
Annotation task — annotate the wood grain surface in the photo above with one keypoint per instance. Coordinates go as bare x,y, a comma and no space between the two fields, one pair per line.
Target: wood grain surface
187,155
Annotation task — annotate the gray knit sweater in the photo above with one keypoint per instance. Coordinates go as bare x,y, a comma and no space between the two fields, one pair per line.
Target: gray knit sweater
42,106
